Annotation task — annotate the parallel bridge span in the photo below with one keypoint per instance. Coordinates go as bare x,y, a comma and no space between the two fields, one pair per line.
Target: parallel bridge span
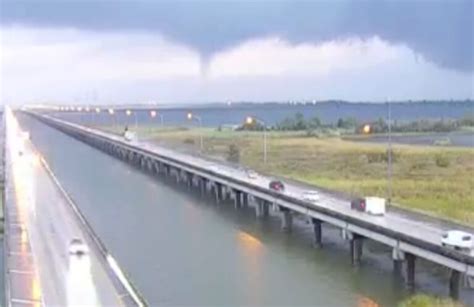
407,237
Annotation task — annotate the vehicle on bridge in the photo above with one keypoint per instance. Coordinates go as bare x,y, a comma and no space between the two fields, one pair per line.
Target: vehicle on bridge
311,196
129,136
459,240
371,205
252,174
78,248
277,185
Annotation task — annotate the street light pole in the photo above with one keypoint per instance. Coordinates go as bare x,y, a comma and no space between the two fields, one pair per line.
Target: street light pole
128,113
389,170
112,112
250,120
198,118
97,110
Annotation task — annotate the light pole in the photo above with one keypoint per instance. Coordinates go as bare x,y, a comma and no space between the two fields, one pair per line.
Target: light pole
97,110
192,116
251,120
389,169
112,112
153,114
129,112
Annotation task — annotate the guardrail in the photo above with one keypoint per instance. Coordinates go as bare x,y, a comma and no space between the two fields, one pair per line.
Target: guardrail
282,199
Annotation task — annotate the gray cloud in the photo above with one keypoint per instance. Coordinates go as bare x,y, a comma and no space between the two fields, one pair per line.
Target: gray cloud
442,31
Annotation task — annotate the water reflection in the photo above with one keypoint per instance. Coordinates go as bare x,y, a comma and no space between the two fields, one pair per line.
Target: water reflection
364,301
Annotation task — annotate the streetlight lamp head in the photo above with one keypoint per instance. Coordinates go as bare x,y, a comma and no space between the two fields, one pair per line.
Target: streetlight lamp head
366,129
190,115
249,120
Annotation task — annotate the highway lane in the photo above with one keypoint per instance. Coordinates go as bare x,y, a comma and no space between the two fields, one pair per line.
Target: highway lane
64,279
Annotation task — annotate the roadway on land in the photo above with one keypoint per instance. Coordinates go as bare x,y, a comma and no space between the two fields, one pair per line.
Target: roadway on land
48,224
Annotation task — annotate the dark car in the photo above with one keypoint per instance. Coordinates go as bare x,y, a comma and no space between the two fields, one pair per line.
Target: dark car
358,204
277,185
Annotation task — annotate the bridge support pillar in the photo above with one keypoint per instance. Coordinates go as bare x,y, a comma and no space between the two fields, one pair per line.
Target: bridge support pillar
356,249
237,199
454,284
245,199
218,192
261,208
411,260
177,174
202,186
286,219
398,257
189,180
318,232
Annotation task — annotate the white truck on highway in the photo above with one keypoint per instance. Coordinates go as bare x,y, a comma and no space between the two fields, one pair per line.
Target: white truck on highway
371,205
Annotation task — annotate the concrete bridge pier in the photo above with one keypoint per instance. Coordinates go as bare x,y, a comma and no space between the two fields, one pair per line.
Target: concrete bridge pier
356,249
261,208
218,192
156,167
318,232
398,257
410,260
150,166
454,284
237,199
202,182
245,199
286,219
188,177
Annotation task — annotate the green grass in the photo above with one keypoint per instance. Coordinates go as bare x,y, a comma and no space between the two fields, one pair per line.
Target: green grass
421,300
434,180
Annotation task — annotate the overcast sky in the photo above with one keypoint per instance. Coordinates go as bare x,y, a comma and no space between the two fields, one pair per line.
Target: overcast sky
198,51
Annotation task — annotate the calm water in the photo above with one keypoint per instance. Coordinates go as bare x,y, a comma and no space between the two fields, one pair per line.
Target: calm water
271,114
181,249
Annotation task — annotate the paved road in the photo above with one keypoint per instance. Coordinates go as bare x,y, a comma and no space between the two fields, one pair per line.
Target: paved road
48,224
400,222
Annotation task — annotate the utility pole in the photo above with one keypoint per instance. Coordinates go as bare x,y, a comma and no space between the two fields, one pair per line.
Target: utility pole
389,169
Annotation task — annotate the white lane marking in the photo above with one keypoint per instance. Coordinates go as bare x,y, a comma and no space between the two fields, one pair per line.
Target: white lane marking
123,279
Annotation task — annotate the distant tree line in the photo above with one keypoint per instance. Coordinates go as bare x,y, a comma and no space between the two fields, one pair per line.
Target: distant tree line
298,122
420,125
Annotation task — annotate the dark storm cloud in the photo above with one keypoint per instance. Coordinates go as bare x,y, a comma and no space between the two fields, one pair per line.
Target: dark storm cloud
442,31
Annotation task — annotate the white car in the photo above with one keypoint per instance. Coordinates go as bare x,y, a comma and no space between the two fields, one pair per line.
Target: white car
311,196
78,248
252,174
130,136
215,168
459,240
